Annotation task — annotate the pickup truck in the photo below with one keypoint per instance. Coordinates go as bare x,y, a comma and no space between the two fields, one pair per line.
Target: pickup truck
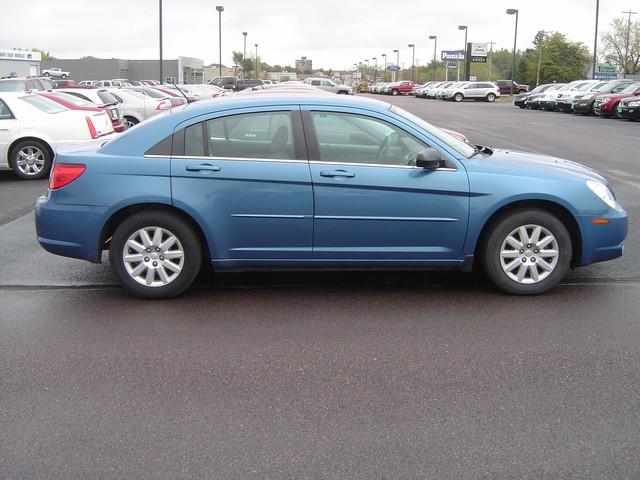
329,86
235,83
55,72
399,88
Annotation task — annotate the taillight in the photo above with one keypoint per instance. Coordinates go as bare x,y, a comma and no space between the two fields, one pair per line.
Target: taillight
163,105
92,128
63,174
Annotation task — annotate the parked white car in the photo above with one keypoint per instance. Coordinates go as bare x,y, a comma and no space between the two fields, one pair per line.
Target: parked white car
99,96
330,85
137,107
56,73
473,90
446,92
433,91
33,127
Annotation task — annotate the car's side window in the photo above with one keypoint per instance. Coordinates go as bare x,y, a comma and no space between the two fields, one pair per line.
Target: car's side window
315,83
5,113
264,135
352,138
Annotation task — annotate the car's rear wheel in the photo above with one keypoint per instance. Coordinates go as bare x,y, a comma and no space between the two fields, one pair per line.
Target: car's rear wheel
64,76
155,254
394,92
46,74
130,121
31,159
527,252
491,97
458,97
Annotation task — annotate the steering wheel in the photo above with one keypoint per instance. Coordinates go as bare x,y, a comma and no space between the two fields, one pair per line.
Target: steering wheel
384,147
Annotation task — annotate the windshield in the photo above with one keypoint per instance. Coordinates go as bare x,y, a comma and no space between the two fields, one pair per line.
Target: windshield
12,86
631,88
106,97
43,104
459,146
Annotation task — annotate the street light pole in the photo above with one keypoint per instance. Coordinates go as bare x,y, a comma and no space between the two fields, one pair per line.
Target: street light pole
384,55
375,69
595,42
435,43
491,44
160,24
514,11
626,48
395,74
466,29
220,9
256,61
413,60
244,55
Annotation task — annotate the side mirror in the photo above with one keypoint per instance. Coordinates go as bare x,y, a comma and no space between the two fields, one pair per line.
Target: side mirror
429,159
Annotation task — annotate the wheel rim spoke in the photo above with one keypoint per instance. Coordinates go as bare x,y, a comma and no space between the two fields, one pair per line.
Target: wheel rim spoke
148,260
529,254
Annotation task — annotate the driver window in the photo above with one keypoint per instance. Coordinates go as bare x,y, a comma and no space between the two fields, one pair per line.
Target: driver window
350,138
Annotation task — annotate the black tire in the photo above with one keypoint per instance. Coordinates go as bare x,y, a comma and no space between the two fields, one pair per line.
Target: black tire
395,92
458,97
64,76
191,246
130,121
23,172
46,74
491,97
497,235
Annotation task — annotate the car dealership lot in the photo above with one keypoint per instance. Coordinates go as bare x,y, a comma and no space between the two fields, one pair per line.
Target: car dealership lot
329,375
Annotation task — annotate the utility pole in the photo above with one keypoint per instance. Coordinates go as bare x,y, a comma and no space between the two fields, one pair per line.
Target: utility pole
161,76
540,61
244,54
626,48
491,44
413,61
220,9
256,61
595,44
435,46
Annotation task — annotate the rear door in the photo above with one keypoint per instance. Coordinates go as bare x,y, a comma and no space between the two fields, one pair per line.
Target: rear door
8,127
245,176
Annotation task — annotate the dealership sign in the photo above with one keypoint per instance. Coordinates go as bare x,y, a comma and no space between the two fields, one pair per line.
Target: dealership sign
453,55
479,53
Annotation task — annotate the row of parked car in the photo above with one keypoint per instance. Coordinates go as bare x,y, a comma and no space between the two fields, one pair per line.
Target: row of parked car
37,117
605,98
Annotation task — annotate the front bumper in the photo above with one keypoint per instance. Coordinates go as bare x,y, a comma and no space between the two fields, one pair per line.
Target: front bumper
603,108
547,104
603,242
564,106
630,113
583,106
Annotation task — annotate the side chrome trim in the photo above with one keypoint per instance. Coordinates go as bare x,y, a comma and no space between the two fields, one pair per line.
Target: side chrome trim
260,215
392,219
441,169
227,159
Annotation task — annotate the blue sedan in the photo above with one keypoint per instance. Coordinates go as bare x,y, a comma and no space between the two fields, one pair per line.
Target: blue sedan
316,181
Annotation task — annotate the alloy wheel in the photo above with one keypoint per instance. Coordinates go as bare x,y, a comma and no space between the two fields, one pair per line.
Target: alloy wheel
153,256
529,254
30,160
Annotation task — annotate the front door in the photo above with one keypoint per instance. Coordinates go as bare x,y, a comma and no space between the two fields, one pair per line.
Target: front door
246,178
371,202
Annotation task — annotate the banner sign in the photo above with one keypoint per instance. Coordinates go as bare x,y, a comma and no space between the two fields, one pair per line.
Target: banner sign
452,55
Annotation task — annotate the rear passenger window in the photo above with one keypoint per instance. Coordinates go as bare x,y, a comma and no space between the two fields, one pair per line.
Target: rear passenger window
194,141
5,113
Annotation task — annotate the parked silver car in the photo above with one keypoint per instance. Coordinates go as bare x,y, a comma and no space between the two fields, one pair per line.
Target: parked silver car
474,90
330,86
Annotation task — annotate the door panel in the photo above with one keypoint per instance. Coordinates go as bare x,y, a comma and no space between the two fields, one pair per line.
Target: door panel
373,210
252,208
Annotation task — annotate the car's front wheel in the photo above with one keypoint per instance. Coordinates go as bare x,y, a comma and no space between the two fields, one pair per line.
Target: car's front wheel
458,97
155,254
491,97
31,159
527,252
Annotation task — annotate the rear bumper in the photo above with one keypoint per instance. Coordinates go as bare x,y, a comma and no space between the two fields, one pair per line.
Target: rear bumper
69,230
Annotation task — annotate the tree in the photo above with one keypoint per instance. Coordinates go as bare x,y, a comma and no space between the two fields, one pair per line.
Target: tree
614,45
237,61
562,60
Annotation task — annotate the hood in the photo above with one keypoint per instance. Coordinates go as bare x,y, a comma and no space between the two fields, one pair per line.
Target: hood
535,165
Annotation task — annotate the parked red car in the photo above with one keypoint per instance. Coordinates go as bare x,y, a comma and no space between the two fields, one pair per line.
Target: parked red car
606,105
74,103
400,88
67,84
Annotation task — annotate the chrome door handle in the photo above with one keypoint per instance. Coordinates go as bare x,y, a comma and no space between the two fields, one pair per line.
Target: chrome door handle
206,167
337,173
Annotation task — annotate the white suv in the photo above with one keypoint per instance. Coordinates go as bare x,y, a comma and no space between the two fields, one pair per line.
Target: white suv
329,85
475,90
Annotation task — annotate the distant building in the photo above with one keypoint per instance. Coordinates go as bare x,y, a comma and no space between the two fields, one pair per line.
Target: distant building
304,65
282,76
180,70
212,71
19,63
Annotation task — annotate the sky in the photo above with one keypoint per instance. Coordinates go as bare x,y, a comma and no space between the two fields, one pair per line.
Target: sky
333,33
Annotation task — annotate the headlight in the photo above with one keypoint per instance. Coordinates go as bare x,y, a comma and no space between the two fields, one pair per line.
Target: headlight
604,100
635,103
602,192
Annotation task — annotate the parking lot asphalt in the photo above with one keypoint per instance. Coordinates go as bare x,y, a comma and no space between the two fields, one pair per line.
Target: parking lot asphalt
329,375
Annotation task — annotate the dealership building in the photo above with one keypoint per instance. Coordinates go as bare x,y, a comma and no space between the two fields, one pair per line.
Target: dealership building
19,63
181,70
